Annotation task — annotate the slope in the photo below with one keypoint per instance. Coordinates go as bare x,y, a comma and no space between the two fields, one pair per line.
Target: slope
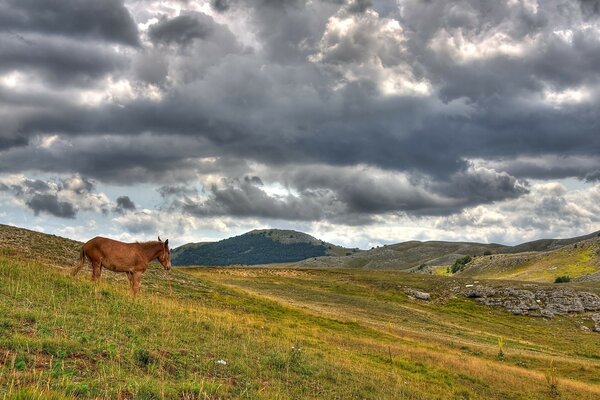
579,260
422,256
548,244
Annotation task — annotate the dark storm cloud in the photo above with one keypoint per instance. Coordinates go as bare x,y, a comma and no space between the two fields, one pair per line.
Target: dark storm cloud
593,176
246,199
59,60
124,204
348,195
8,142
327,84
62,198
182,29
107,20
50,204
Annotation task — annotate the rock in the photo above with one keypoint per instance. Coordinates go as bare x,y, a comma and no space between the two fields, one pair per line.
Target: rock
547,313
590,301
542,303
417,294
479,292
596,319
562,302
519,301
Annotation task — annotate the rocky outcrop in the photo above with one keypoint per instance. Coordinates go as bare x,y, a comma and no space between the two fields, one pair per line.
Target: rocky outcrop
417,294
596,320
539,303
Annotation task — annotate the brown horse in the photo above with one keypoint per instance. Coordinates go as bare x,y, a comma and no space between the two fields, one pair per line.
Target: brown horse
131,258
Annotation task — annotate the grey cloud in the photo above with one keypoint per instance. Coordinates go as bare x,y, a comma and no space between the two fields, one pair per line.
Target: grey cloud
59,60
96,19
593,176
273,103
244,199
590,8
62,198
50,204
220,5
124,204
9,142
359,6
480,186
183,29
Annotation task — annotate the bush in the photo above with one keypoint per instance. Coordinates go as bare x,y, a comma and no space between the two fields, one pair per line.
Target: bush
562,279
460,264
487,253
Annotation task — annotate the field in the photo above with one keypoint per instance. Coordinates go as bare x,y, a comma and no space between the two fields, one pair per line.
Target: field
273,333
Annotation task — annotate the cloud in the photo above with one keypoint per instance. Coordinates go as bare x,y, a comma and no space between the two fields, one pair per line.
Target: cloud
62,198
348,195
50,204
124,204
183,29
107,20
59,60
345,110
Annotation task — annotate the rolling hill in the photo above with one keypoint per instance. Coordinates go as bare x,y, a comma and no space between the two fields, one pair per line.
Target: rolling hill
539,260
405,256
266,246
577,260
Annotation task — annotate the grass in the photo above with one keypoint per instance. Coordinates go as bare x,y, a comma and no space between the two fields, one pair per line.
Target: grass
543,267
273,333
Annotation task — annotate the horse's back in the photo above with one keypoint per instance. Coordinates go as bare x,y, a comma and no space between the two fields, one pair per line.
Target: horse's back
112,254
105,246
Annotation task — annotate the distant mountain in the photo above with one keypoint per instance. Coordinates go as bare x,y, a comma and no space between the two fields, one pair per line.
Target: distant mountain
407,255
548,244
266,246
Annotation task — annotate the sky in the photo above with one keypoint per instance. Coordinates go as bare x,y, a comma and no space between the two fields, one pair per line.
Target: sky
361,122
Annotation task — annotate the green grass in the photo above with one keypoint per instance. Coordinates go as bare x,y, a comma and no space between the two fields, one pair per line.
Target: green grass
283,333
544,267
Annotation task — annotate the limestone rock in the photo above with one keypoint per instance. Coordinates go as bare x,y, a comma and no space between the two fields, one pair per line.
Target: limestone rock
417,294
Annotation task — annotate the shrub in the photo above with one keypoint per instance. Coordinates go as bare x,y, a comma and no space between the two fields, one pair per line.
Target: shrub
552,379
500,355
487,253
562,279
459,264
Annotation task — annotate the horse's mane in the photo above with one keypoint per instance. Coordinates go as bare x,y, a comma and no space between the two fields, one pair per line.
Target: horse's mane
148,242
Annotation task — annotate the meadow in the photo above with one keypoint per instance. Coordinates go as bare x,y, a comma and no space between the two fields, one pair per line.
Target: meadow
276,333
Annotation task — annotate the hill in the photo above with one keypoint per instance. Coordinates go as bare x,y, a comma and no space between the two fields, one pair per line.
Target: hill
548,244
411,255
264,246
210,333
577,260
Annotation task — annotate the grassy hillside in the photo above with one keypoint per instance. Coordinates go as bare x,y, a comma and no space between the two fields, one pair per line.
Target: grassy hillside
256,247
548,244
274,333
405,256
575,260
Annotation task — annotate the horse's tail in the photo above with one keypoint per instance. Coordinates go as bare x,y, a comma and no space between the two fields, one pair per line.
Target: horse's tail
81,263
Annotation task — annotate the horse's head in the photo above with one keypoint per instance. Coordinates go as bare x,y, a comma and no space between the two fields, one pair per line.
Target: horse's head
165,256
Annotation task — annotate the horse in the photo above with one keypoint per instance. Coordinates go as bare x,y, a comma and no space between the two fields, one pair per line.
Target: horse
131,258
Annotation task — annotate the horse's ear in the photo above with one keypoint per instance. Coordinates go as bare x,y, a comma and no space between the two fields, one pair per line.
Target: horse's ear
159,239
167,243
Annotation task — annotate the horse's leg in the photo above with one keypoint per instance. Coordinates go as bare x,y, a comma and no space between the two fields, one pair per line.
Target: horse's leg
96,271
137,277
130,277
